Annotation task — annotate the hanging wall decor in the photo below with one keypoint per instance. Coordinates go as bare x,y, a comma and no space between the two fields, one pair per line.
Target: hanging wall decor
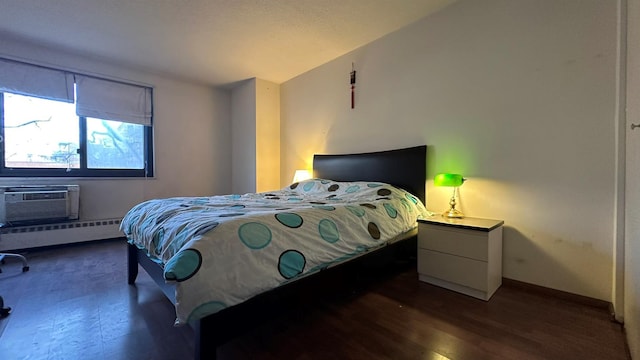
353,85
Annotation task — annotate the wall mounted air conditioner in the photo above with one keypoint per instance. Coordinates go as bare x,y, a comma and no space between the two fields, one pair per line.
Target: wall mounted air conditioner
28,205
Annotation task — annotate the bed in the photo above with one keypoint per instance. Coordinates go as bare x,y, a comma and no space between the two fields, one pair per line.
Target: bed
357,207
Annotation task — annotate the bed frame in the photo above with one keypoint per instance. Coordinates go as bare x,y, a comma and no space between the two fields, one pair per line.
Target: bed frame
404,168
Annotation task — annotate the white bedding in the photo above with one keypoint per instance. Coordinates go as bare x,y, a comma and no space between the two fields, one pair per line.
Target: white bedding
223,250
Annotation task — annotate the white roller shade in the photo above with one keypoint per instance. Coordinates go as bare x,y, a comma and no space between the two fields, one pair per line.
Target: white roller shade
111,100
25,79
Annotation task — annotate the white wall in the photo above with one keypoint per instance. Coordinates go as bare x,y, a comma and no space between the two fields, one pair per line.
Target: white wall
255,118
243,125
267,136
191,136
518,96
632,238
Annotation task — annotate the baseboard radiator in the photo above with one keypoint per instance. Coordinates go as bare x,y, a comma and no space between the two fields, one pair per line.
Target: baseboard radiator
34,236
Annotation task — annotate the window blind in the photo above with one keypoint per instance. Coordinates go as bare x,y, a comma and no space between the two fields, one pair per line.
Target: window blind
32,80
112,100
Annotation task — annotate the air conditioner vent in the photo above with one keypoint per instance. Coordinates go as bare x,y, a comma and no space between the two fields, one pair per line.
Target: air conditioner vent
44,195
38,204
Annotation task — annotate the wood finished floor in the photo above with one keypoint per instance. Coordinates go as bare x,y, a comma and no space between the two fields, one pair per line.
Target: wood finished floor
75,303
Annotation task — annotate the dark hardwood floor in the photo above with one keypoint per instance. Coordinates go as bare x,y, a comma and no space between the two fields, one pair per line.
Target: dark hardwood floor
75,303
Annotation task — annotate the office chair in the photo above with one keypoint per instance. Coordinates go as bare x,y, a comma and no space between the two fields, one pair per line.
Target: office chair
5,311
25,265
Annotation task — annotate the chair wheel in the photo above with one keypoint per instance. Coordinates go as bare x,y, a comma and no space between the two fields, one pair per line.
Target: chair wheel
25,268
5,312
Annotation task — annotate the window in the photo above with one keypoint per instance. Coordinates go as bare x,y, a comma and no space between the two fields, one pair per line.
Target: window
114,145
39,133
87,134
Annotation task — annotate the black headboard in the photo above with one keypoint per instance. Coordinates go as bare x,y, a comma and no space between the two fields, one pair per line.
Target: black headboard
404,168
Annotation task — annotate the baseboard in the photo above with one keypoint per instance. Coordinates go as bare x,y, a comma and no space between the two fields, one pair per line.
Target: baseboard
581,299
28,251
37,236
567,296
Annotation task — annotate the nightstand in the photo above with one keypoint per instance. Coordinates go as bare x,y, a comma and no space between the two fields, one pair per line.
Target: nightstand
464,255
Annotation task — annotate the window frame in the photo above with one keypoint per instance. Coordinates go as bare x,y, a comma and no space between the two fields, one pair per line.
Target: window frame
83,171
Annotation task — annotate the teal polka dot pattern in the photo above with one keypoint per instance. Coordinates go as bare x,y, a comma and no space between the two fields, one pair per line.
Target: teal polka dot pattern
391,211
255,235
308,186
328,230
405,203
324,207
248,243
183,265
356,210
290,220
291,264
351,189
412,198
206,309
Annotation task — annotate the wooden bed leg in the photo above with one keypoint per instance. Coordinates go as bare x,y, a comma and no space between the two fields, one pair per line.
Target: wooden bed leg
205,347
132,263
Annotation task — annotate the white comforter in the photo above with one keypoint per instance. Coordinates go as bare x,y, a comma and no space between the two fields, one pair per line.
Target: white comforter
223,250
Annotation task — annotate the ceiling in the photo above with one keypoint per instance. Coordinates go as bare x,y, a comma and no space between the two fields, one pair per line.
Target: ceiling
216,42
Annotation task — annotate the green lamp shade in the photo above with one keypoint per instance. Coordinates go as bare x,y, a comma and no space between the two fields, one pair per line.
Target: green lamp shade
448,180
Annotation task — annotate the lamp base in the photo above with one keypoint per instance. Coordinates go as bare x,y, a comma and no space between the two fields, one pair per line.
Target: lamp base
453,214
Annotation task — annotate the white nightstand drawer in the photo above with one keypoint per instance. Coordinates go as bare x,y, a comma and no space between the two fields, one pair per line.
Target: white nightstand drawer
462,242
455,269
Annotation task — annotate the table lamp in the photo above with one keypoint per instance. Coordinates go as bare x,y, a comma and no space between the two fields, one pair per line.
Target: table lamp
452,180
301,175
